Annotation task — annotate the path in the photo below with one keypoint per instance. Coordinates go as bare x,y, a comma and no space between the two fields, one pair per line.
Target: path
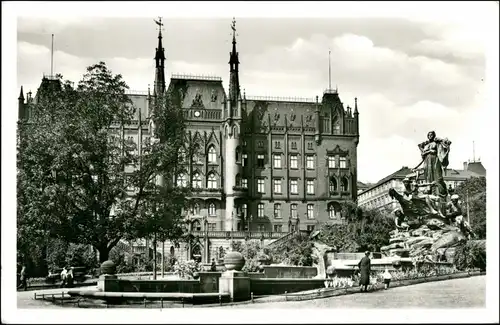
457,293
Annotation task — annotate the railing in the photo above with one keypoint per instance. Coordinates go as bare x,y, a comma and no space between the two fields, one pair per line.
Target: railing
330,91
239,234
50,76
195,77
135,92
240,188
286,238
282,99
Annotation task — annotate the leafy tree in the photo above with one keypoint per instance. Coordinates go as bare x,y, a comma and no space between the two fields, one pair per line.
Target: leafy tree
79,178
250,251
375,234
473,190
296,251
339,236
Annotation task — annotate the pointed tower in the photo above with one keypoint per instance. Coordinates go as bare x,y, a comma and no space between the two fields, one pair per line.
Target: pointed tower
356,118
159,86
234,82
20,106
232,129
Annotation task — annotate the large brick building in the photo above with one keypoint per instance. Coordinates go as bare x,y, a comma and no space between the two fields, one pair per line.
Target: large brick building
267,166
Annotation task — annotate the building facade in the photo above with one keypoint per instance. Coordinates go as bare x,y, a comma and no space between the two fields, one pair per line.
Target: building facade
268,166
377,196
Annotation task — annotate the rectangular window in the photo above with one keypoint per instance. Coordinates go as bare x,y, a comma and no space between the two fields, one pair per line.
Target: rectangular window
277,160
310,145
310,186
260,161
244,182
211,227
294,162
261,227
244,159
277,211
293,211
260,185
260,144
278,228
310,227
310,162
277,186
260,210
343,162
294,145
294,188
331,162
277,144
310,211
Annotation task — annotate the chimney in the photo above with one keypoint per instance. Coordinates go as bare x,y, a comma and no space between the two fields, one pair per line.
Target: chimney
465,165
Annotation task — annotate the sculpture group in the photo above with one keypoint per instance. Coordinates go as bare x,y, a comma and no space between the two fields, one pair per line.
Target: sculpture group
430,219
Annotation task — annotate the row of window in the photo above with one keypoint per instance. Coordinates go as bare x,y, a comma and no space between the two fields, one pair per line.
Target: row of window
260,227
212,183
333,212
277,159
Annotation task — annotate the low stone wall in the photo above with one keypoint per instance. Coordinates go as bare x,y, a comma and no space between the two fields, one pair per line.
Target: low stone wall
265,286
122,285
290,272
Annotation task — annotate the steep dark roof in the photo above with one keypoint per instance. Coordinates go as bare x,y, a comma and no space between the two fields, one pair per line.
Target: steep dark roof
477,168
210,90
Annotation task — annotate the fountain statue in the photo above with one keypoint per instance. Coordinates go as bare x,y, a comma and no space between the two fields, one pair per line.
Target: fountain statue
426,224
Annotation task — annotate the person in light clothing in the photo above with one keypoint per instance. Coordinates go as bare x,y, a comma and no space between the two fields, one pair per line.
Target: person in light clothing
387,278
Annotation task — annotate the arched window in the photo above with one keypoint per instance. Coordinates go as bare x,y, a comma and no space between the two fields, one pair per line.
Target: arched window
196,208
238,180
333,211
238,154
172,250
196,180
212,155
211,209
244,210
181,180
345,184
182,155
336,125
212,181
333,184
196,225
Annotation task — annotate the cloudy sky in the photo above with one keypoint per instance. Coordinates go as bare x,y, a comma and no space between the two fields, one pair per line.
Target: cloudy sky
410,75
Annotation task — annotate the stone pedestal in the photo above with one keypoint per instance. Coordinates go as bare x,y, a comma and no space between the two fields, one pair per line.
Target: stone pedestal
107,283
236,284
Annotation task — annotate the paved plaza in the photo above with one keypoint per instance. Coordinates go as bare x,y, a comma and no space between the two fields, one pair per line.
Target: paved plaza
457,293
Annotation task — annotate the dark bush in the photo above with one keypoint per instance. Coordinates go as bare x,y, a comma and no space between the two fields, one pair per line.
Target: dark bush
471,255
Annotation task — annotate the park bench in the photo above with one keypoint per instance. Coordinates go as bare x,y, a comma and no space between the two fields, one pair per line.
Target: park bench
79,274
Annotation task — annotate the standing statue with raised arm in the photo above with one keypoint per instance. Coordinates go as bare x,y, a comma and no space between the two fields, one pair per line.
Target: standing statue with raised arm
434,153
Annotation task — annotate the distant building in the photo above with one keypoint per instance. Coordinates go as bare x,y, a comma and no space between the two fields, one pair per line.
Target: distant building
377,195
363,186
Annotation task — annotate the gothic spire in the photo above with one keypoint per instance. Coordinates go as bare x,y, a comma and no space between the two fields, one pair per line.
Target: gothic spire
159,86
21,95
234,82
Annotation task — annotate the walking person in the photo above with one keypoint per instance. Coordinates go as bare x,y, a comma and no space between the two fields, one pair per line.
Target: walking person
364,270
213,266
23,278
387,278
64,274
